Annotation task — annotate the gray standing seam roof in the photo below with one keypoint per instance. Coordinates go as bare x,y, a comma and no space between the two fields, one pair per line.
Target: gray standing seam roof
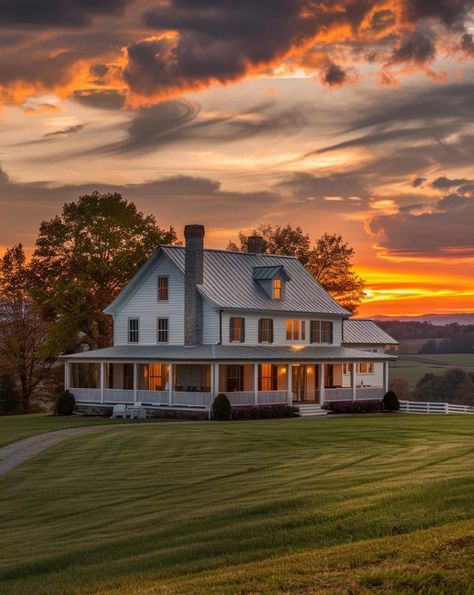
228,283
359,331
268,273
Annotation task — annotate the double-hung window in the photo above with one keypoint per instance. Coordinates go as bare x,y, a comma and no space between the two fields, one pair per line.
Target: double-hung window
321,331
162,287
265,330
277,289
162,326
133,330
237,330
235,378
295,330
365,368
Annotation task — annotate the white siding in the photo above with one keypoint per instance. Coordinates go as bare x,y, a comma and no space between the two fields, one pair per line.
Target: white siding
210,313
144,304
279,327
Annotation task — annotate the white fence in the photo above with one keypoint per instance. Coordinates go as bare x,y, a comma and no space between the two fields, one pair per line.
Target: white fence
433,407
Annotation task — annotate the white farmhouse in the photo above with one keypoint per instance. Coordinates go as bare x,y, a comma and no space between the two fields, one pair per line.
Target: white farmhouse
194,323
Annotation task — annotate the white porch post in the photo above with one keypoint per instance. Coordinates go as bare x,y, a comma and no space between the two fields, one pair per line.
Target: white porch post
289,383
255,384
216,380
353,381
102,381
385,376
212,375
321,383
135,382
170,383
67,382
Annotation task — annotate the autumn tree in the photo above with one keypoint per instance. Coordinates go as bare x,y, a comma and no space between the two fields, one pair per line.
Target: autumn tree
83,258
329,260
24,351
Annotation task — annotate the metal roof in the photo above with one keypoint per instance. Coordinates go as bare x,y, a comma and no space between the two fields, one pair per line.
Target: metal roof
268,273
229,285
227,353
367,332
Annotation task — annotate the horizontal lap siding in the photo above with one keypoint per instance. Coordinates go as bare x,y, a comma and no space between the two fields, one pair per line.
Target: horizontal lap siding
143,304
279,327
210,333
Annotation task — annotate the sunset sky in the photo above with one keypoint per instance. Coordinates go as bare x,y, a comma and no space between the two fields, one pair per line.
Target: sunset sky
348,116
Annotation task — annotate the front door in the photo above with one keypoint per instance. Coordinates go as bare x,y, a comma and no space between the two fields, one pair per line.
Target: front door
304,379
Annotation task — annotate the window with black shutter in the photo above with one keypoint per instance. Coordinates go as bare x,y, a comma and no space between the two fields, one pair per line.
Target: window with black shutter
326,331
265,330
237,330
315,331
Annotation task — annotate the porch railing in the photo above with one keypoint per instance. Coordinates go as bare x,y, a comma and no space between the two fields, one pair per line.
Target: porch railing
272,397
154,397
362,393
115,395
191,399
86,395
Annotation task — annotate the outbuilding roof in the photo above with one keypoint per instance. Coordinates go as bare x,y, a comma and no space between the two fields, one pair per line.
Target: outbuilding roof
365,332
229,283
267,353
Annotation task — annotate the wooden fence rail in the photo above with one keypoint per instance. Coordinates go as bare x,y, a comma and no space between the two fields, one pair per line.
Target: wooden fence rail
434,407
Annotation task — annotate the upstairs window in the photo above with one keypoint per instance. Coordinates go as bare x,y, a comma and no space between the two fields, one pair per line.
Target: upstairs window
162,330
162,289
277,289
237,330
265,330
133,330
321,331
295,330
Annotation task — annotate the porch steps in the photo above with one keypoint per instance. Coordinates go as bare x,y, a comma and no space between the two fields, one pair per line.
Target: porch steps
311,410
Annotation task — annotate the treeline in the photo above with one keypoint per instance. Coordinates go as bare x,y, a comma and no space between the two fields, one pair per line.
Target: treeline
454,386
455,338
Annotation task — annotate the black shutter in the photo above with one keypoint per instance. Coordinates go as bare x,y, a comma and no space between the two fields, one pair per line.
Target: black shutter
315,336
270,323
242,330
274,377
331,332
260,330
230,329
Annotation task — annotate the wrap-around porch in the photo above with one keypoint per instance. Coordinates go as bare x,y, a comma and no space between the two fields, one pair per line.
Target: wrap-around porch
195,385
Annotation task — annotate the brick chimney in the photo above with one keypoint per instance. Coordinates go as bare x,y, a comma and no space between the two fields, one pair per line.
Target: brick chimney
255,244
193,276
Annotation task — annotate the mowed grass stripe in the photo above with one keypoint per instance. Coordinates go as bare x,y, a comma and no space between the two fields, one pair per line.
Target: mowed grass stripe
167,501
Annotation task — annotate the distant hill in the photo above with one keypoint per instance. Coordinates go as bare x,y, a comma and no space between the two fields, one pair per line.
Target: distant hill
436,319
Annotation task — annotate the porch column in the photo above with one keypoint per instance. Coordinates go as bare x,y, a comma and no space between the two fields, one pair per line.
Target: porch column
289,384
321,383
212,378
135,382
102,381
385,376
216,380
170,383
255,384
67,382
353,381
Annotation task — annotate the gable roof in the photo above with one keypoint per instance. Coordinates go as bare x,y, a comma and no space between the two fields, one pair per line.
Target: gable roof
367,332
269,273
229,284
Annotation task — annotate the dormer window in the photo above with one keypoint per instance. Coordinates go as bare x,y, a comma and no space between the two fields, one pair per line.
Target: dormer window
277,289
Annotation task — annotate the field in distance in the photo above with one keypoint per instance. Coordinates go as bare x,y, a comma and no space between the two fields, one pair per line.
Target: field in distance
413,367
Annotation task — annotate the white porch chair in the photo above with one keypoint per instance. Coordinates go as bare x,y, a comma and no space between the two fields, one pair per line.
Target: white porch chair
120,411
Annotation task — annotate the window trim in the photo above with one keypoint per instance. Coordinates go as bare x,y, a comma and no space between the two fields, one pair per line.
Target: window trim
158,288
129,330
158,330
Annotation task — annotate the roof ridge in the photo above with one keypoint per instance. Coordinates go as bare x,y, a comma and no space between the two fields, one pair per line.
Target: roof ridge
235,252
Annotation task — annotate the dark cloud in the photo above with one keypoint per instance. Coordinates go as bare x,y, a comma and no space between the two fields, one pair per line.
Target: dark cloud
334,75
416,182
414,46
449,12
467,44
100,98
64,13
445,231
69,131
381,19
442,183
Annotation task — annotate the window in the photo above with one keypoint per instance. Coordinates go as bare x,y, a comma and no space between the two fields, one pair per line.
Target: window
277,289
153,376
365,368
321,331
267,377
133,330
128,376
162,330
326,331
162,289
235,378
295,330
237,330
265,330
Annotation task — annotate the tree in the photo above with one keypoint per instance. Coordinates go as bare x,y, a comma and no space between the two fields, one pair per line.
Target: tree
23,334
329,261
83,258
401,387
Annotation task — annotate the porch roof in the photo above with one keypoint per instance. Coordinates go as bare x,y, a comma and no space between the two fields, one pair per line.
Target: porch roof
282,353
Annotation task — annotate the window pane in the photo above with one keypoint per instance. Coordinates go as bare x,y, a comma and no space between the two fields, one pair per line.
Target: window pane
303,330
162,289
162,330
288,330
133,330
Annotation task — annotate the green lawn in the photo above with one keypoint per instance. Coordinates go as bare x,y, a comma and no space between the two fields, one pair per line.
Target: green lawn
338,505
15,427
413,367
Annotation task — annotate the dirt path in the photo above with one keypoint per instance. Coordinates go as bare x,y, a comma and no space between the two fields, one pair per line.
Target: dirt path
18,452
